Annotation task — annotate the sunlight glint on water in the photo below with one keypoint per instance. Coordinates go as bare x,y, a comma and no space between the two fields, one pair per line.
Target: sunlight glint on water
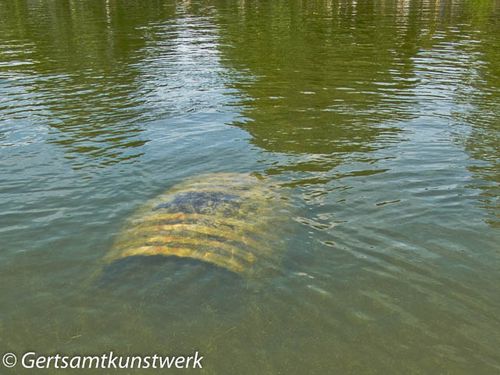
378,120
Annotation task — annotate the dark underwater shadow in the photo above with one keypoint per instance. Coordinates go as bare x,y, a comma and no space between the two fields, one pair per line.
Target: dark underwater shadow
175,285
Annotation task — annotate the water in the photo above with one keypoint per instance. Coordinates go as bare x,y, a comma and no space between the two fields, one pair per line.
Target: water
378,119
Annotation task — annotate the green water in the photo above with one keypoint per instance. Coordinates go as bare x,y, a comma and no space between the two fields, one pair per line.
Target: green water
379,120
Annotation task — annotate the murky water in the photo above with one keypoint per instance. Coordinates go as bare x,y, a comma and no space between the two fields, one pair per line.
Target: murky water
379,120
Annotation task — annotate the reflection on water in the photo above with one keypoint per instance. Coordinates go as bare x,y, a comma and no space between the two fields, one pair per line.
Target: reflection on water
378,119
73,62
483,116
313,88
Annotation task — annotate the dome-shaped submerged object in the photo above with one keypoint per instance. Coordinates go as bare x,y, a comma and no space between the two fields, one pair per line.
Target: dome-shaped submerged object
229,220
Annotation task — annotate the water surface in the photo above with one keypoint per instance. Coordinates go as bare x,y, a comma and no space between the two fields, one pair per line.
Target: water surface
379,120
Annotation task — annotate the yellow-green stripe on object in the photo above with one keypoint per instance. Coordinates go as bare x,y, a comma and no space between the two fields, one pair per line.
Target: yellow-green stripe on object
225,219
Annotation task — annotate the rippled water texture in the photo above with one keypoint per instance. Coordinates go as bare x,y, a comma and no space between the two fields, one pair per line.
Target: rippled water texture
378,120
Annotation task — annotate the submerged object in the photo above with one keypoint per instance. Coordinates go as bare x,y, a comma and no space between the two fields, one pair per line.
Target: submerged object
229,220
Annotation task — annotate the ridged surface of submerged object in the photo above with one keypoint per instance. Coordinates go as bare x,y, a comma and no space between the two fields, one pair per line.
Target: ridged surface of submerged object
226,219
